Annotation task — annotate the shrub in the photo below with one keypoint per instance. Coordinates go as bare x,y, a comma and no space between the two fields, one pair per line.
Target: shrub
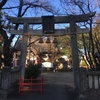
32,71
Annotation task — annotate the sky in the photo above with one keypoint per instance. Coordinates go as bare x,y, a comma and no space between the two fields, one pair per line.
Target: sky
55,3
30,12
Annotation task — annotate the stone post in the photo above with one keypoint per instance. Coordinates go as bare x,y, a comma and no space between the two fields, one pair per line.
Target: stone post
83,84
5,82
6,78
83,80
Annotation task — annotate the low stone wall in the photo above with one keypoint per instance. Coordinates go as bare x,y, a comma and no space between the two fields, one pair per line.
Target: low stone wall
89,84
15,74
8,80
94,79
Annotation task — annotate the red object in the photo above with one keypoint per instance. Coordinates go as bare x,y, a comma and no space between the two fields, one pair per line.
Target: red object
31,84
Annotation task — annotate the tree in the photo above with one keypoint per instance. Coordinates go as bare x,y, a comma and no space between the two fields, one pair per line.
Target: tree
22,8
64,45
74,7
89,43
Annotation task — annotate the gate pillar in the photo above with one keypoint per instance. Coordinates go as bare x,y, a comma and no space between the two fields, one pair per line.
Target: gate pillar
24,50
75,59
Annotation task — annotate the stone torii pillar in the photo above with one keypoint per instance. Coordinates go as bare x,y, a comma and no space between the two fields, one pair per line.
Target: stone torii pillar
75,59
24,49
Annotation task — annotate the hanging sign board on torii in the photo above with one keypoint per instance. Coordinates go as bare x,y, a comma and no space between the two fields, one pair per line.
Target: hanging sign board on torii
48,24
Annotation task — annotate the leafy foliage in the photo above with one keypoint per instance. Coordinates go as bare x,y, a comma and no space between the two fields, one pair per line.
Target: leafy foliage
32,71
64,45
61,60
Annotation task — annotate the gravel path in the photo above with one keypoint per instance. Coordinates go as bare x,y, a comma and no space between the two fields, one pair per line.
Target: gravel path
60,78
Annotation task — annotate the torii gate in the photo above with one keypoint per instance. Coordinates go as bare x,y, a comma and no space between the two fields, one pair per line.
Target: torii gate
59,19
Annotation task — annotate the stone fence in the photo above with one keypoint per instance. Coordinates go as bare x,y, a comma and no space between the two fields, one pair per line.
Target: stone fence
89,84
15,75
8,79
89,80
94,79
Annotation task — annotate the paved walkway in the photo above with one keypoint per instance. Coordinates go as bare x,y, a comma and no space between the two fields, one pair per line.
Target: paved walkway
59,86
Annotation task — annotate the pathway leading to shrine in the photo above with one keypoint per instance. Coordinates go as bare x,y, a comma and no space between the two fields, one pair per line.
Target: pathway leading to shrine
59,78
59,86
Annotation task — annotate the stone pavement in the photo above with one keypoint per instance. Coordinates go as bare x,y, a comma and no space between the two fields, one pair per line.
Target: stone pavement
59,86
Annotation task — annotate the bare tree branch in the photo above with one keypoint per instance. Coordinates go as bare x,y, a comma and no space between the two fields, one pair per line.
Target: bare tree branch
46,6
2,3
20,8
